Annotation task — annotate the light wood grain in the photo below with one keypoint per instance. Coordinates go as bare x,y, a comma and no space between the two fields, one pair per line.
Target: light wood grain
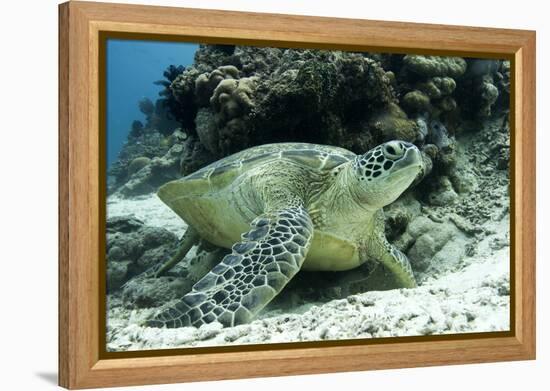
80,365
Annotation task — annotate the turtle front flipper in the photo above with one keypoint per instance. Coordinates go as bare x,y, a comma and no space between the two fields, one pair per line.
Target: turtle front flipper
248,278
397,263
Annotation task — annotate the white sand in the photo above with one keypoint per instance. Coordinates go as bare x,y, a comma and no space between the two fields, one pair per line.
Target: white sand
149,209
472,298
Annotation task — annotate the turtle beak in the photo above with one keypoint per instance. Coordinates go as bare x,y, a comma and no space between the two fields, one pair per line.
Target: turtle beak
411,158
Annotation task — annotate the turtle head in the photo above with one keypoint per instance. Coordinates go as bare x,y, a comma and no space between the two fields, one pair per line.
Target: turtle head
386,171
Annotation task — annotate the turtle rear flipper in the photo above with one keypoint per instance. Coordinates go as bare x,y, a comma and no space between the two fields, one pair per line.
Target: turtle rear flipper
248,278
188,240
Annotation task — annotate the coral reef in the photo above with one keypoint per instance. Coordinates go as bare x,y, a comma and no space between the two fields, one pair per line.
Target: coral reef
234,97
258,95
142,142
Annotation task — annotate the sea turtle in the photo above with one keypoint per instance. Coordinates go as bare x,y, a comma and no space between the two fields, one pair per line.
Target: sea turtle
281,208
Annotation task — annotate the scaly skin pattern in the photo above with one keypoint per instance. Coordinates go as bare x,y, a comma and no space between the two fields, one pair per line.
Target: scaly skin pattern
281,210
259,266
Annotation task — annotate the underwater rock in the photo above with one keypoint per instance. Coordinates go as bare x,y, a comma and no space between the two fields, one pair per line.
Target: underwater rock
235,97
133,247
207,131
125,224
499,146
432,96
287,95
399,214
438,87
194,156
157,172
137,164
157,291
435,246
147,145
445,146
427,87
194,86
463,180
147,107
443,194
153,292
117,273
427,161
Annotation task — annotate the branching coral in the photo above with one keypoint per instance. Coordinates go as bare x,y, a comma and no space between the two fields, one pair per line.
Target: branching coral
167,97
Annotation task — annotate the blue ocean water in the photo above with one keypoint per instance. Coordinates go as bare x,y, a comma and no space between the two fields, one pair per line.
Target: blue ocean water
132,68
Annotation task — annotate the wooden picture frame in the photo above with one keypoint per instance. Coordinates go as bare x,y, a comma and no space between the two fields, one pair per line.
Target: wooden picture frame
83,364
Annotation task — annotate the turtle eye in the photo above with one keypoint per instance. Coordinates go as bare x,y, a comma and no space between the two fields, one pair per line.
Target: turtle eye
393,150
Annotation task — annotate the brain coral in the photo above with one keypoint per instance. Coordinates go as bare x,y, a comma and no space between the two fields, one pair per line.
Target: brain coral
208,81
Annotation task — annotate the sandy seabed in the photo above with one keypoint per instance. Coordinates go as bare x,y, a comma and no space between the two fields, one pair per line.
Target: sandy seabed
472,297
